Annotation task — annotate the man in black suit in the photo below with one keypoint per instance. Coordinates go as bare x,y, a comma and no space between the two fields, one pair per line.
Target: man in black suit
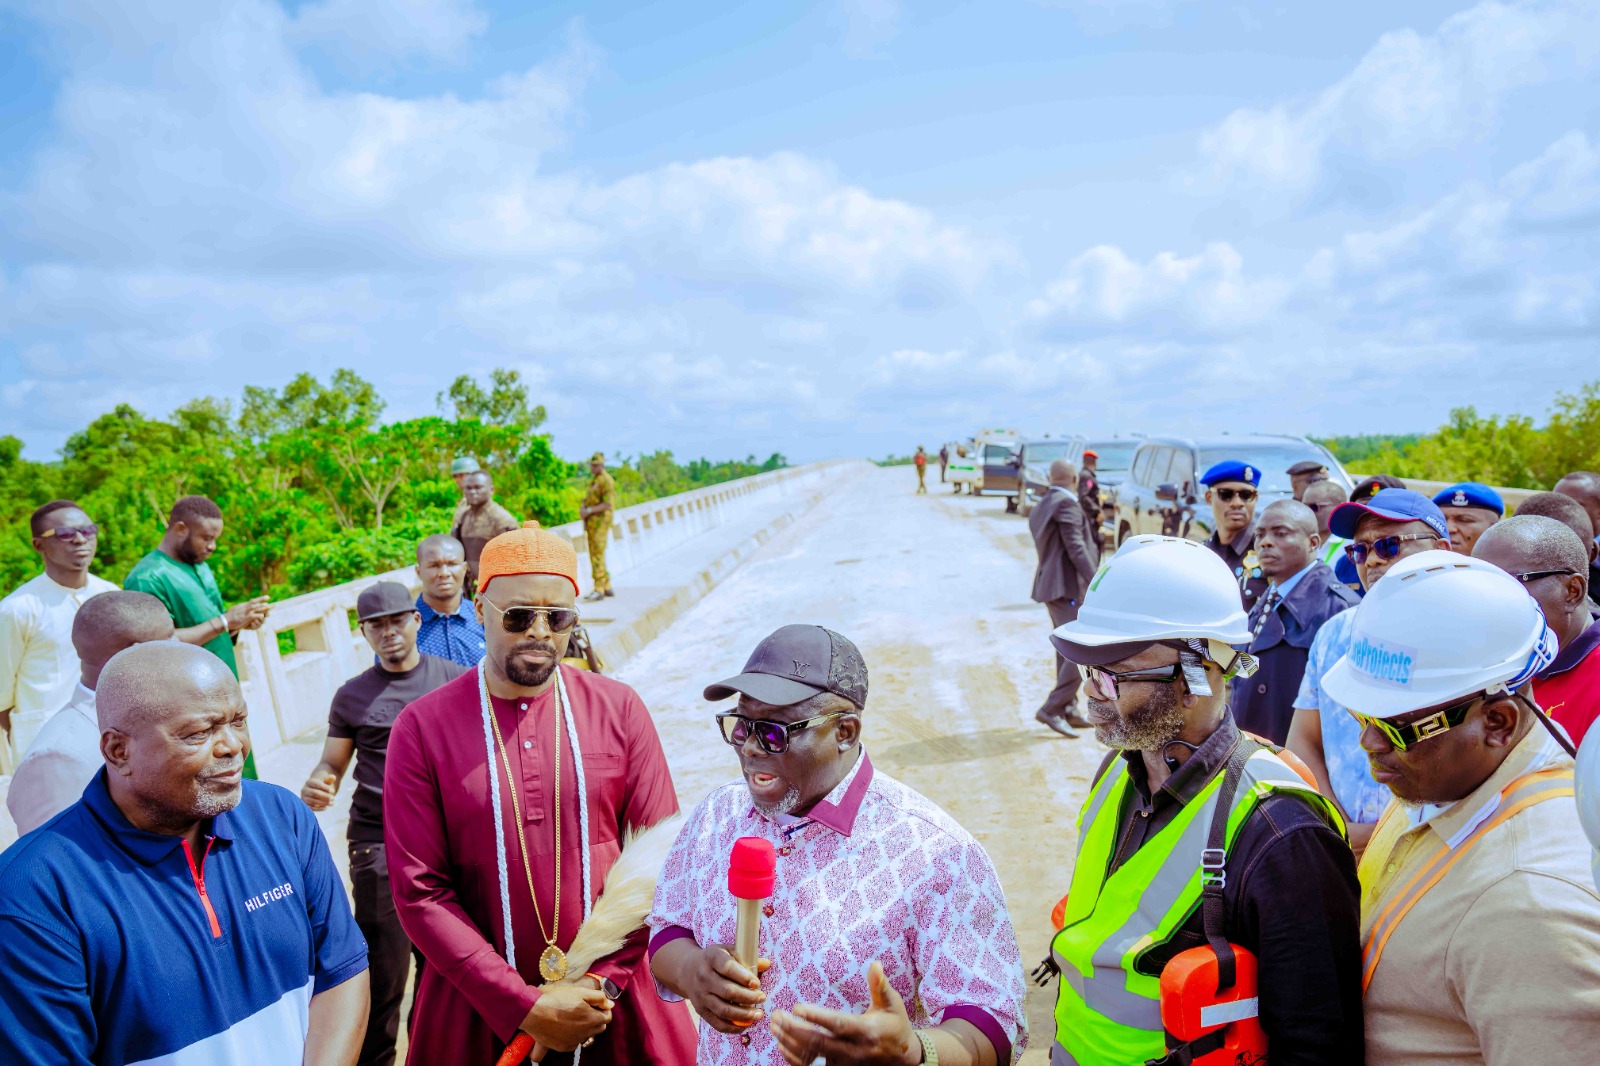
1303,593
1067,561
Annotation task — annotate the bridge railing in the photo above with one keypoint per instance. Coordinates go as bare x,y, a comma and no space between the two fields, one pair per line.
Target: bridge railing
288,692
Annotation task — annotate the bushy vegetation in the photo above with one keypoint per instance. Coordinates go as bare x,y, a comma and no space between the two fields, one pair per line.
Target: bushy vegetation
314,486
1513,452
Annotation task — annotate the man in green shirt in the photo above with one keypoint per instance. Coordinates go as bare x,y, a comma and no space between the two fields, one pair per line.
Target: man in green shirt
177,574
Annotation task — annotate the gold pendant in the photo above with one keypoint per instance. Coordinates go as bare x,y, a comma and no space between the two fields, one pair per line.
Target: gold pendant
553,964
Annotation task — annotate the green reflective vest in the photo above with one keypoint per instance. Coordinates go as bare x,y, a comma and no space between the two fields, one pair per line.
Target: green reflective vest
1107,1012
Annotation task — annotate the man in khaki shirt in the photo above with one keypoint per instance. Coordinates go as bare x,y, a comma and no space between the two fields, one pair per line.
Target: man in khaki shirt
1480,922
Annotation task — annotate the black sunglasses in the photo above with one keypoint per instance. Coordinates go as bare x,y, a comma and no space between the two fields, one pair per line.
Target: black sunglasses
1384,547
1227,495
1537,574
88,532
520,619
1104,683
771,737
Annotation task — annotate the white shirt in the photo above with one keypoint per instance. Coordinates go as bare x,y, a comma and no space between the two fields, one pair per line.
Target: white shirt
38,665
60,762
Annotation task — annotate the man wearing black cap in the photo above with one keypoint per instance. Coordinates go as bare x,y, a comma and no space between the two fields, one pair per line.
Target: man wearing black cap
1303,475
363,710
879,897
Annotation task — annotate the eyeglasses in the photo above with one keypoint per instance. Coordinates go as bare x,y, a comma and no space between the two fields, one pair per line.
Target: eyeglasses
1103,683
1409,733
1227,495
1537,574
1385,547
520,619
71,533
771,737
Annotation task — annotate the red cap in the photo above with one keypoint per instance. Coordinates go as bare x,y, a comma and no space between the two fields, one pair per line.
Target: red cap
751,868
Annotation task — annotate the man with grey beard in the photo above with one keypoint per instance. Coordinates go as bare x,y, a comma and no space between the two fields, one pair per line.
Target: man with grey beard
878,898
1156,636
178,912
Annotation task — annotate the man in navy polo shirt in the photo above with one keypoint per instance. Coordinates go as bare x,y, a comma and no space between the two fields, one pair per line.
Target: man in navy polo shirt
177,913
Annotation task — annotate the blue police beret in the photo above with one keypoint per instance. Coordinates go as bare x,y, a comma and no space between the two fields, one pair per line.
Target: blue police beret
1231,470
1471,494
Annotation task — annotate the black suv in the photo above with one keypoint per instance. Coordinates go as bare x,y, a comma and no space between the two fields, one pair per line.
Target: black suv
1162,492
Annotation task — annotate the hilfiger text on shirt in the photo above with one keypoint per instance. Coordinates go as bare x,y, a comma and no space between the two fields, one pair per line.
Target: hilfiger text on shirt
271,895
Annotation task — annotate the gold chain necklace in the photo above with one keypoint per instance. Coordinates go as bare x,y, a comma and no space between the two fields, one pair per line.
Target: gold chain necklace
553,961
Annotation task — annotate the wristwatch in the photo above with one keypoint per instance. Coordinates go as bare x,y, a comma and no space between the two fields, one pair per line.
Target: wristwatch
930,1054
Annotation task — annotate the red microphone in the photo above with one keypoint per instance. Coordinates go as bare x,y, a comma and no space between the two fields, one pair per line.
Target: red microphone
752,869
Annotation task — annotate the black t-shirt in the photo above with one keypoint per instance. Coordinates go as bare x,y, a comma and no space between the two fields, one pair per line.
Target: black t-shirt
363,710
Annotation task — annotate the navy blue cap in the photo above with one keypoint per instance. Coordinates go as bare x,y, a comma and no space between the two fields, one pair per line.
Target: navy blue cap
795,663
1395,505
1472,494
1231,470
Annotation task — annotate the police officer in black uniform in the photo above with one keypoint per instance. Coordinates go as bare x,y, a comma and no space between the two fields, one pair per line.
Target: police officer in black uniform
1232,489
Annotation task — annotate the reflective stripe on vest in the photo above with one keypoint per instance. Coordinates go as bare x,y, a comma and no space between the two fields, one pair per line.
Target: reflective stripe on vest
1108,1013
1515,798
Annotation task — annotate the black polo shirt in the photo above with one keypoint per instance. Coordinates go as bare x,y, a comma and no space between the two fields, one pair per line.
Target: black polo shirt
1292,898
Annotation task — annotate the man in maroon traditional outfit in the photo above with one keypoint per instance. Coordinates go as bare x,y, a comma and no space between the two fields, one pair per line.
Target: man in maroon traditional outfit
481,773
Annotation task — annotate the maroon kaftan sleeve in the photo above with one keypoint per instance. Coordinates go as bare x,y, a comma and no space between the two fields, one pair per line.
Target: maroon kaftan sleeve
650,798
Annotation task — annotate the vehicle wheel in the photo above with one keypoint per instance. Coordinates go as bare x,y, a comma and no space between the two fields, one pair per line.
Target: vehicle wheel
1122,534
1011,505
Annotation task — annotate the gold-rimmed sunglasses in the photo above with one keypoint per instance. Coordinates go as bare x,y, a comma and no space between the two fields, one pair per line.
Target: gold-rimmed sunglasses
1431,725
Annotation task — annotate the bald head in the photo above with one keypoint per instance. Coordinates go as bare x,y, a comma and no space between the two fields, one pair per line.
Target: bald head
147,683
1286,539
1564,509
1530,543
1322,497
440,544
112,621
1064,472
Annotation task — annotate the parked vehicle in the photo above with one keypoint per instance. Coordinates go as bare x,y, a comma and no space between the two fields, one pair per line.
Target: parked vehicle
998,458
962,469
1114,455
1162,493
1033,459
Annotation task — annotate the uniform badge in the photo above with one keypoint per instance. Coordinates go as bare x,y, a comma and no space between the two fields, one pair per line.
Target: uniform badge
1459,499
1249,475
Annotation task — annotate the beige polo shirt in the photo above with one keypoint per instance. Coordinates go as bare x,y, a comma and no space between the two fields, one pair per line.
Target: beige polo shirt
1499,962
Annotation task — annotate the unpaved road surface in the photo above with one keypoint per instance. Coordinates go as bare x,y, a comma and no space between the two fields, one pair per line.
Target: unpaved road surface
934,590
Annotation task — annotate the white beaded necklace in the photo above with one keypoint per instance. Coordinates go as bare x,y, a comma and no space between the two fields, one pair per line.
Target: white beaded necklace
564,709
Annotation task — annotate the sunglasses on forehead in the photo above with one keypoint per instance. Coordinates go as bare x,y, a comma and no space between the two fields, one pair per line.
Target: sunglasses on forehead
521,619
1228,495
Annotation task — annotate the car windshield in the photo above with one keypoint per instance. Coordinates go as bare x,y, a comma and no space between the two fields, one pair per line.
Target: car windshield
996,453
1049,451
1274,463
1114,457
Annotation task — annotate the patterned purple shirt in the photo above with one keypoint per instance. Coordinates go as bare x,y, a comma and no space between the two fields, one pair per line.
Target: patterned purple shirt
874,871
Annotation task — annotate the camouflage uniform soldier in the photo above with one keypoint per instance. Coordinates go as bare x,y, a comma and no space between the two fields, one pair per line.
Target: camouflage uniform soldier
463,467
598,505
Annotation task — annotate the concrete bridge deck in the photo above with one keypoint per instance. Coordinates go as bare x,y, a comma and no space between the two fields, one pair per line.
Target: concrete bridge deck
934,590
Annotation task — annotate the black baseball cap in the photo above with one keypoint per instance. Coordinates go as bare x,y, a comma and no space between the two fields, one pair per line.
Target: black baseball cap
795,663
385,597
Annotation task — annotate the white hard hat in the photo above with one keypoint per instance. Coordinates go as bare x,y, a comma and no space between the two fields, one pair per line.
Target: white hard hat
1438,627
1587,775
1156,588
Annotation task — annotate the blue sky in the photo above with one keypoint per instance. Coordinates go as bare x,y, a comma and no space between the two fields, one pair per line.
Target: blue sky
839,228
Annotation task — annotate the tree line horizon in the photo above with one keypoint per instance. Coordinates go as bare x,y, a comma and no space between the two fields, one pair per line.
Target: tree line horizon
315,489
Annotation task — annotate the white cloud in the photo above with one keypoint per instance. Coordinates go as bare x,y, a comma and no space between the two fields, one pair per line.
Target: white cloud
390,29
1207,294
1408,95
